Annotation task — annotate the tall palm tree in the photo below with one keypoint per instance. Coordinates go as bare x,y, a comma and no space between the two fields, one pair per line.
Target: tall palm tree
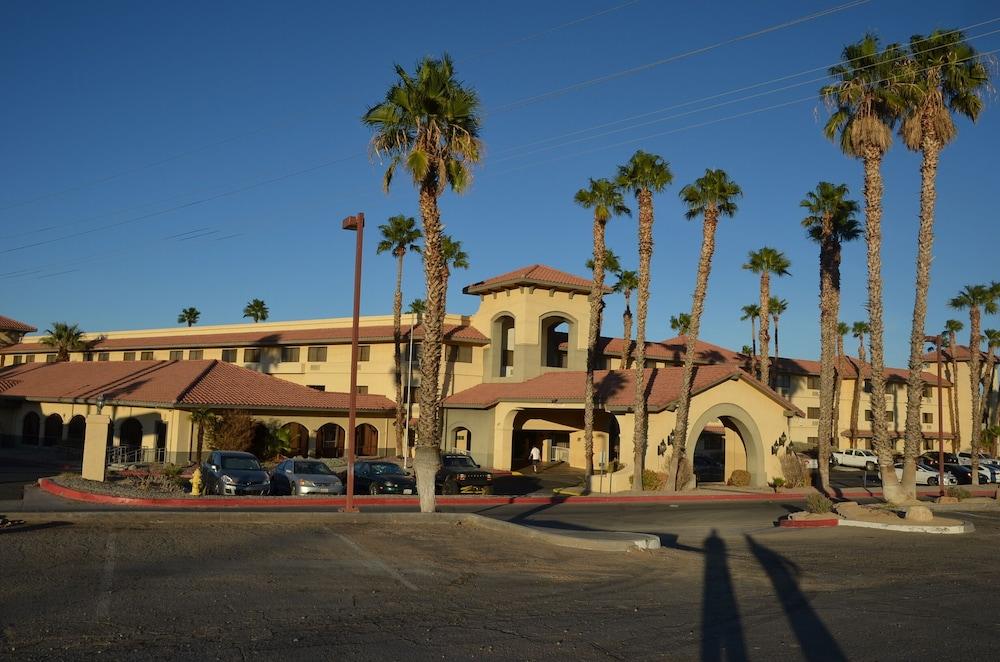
204,418
751,312
64,338
866,99
256,309
977,299
680,323
838,383
951,328
711,196
399,237
643,175
766,261
417,307
189,316
605,198
830,222
428,124
453,257
627,282
947,77
777,306
989,374
858,330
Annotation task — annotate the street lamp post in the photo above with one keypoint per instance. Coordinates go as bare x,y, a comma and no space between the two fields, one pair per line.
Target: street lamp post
940,415
356,224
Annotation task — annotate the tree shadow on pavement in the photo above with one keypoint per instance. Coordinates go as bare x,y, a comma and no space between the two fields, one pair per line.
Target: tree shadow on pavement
721,626
814,638
24,528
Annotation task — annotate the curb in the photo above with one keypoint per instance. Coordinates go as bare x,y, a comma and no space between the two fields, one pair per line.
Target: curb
965,527
808,523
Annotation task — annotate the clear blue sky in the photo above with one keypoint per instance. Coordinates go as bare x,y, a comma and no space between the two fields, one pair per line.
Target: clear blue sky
184,145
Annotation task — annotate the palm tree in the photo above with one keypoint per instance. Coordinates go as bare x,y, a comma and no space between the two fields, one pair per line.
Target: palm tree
453,257
947,77
189,316
989,374
751,312
952,327
428,124
612,264
977,299
777,307
64,338
643,175
858,330
399,237
606,199
256,309
830,222
766,261
203,418
628,281
711,196
417,307
842,330
680,323
866,100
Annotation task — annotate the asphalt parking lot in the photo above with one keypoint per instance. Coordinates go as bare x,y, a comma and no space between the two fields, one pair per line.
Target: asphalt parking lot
726,586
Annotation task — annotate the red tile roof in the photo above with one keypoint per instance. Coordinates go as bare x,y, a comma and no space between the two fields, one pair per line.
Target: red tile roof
960,352
327,336
614,388
807,367
8,324
895,434
170,383
535,274
671,350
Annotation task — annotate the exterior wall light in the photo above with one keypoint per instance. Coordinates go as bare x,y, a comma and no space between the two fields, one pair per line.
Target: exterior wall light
778,443
100,403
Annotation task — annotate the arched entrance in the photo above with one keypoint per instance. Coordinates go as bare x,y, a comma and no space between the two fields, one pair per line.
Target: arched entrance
503,341
298,439
366,440
130,434
77,431
30,427
53,429
330,440
556,332
737,428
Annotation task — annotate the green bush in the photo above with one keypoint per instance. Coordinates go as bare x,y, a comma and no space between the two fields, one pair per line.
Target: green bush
739,478
651,480
817,503
171,470
959,493
778,483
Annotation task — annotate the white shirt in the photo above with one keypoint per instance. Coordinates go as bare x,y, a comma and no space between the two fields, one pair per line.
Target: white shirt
536,455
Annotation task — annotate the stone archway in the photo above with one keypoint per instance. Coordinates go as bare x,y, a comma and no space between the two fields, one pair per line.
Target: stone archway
53,430
77,431
31,428
734,417
298,439
330,440
366,440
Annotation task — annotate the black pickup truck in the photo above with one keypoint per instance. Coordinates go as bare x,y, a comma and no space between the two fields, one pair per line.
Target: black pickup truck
460,474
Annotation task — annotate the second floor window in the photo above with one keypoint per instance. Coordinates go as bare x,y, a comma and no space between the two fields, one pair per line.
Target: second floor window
927,417
176,354
50,358
460,354
813,382
103,356
362,390
128,356
229,355
317,354
18,360
813,412
146,356
289,354
251,355
30,358
196,354
364,353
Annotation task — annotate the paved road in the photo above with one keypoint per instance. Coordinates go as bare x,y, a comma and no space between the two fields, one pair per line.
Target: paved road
733,589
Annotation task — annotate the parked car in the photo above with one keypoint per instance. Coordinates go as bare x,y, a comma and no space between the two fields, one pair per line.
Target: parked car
459,473
962,472
302,476
234,473
376,477
984,459
708,469
927,475
856,457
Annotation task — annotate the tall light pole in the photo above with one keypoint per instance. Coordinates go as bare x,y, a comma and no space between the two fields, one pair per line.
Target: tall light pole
940,416
356,224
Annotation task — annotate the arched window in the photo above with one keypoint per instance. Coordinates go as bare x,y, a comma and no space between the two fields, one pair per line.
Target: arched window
77,431
555,341
30,428
503,343
330,441
130,434
298,439
366,440
53,429
462,440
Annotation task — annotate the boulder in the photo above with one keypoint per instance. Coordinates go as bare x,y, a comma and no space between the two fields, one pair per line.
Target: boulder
919,514
946,499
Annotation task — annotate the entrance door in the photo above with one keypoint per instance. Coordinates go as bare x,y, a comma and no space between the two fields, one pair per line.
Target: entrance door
161,441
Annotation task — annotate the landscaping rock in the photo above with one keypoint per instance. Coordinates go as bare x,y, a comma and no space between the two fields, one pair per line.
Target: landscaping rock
919,514
946,499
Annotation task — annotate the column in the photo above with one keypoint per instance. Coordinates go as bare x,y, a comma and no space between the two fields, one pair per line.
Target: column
95,447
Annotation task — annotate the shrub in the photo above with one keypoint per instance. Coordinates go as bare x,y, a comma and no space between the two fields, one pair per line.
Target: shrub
794,468
171,470
739,478
817,503
959,493
231,431
651,480
778,483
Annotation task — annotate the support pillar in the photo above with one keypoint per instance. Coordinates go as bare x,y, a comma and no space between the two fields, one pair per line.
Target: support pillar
95,448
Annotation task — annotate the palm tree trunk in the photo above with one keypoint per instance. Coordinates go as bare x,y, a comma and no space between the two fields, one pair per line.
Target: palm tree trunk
201,439
593,330
754,366
856,397
697,306
975,429
956,439
397,315
925,242
837,388
777,355
826,351
627,331
765,322
426,455
645,254
873,235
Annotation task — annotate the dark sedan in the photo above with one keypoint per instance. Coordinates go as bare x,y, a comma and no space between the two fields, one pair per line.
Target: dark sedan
382,478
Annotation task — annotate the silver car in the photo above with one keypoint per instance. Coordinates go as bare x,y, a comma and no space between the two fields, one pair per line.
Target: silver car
302,476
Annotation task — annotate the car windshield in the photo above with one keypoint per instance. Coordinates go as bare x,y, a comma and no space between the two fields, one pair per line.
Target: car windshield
386,469
240,463
317,468
459,461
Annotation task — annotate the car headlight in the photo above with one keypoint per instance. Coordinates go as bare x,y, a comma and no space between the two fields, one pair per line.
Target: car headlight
461,477
489,476
306,483
228,480
389,483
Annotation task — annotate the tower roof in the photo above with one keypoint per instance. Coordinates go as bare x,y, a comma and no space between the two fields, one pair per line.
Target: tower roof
535,275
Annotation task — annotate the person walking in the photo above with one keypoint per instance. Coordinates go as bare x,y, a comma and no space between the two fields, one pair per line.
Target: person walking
536,457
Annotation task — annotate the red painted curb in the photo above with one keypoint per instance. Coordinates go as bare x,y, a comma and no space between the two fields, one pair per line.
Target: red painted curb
807,523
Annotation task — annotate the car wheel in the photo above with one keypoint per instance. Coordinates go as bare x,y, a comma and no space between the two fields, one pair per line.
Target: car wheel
932,480
869,466
451,487
834,461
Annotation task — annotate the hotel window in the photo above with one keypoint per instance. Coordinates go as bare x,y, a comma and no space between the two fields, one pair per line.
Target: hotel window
813,412
813,382
889,415
146,356
196,354
18,360
460,354
51,358
30,358
104,356
362,390
927,417
176,355
416,356
229,355
289,354
868,386
317,354
88,356
251,355
868,414
783,380
316,387
927,391
364,353
128,356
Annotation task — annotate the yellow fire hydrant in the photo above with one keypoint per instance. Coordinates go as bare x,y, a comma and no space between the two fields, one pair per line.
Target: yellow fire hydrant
196,482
